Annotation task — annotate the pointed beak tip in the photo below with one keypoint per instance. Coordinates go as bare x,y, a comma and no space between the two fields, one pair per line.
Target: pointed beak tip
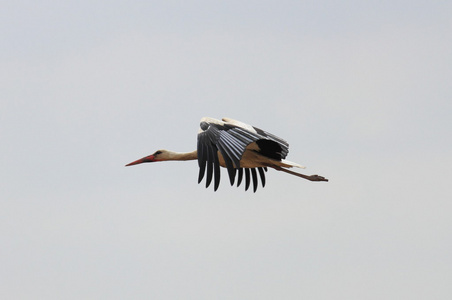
149,158
134,163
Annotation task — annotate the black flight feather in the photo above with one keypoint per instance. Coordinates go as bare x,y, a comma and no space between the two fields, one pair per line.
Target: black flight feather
239,180
209,166
254,174
201,161
216,166
262,174
247,178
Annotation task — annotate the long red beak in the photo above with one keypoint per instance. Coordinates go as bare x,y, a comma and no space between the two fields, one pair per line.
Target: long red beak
149,158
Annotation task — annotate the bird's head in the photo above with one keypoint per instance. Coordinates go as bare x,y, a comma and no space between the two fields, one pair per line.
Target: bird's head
159,155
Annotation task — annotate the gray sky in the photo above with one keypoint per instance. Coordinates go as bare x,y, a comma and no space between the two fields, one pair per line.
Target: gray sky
361,90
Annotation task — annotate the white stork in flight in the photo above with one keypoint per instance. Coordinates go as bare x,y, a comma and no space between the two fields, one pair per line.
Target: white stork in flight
237,146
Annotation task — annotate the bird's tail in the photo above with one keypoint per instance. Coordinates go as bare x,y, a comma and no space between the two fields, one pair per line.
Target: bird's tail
288,164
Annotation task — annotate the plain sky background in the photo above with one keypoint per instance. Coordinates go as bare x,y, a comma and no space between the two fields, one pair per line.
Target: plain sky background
360,89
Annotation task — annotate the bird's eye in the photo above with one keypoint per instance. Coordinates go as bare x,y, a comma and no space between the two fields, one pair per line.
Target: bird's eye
157,152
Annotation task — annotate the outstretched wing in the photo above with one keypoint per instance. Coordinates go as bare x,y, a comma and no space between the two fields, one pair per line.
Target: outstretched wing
231,138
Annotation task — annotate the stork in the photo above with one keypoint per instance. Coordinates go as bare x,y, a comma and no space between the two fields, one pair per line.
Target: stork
236,146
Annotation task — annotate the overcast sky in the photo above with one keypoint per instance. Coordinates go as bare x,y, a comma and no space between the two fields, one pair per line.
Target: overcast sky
360,89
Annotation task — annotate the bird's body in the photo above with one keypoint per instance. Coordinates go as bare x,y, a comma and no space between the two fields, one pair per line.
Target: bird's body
236,146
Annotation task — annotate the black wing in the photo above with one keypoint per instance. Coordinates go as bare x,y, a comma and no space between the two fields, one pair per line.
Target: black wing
231,141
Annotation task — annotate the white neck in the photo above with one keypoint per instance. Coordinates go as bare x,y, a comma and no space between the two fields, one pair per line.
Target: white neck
182,155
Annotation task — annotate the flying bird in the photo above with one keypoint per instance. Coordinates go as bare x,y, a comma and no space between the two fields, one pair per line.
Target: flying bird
240,148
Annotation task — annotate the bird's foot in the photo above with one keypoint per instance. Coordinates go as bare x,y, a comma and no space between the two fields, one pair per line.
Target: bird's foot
317,178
